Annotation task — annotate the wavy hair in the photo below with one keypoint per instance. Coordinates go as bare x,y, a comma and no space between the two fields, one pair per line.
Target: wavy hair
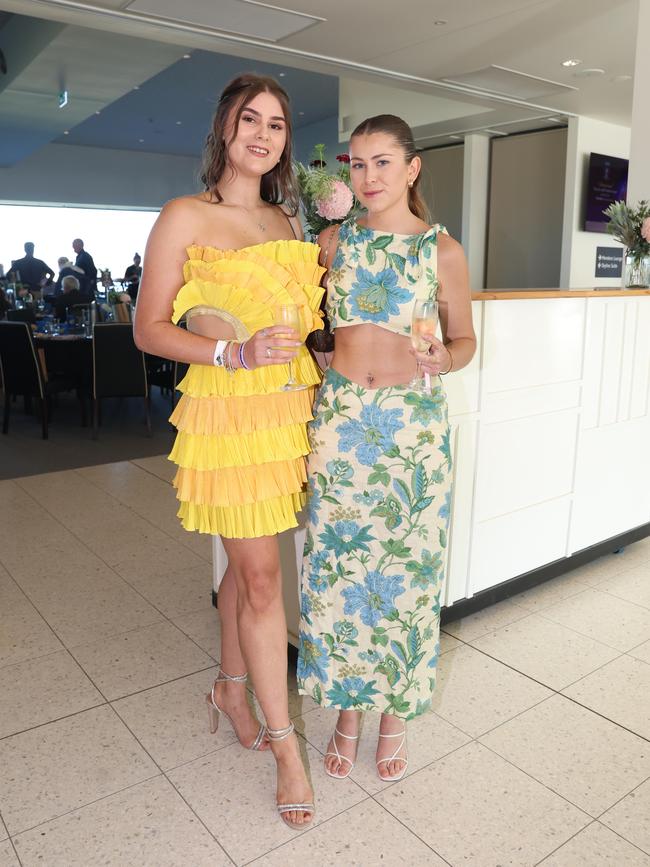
278,186
401,132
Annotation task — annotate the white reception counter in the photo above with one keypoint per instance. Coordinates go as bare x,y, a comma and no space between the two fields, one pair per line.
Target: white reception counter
551,443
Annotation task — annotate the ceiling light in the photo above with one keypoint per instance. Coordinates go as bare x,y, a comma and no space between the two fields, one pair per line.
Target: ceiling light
141,140
590,72
137,87
98,112
618,79
66,132
282,74
186,56
571,62
179,122
439,22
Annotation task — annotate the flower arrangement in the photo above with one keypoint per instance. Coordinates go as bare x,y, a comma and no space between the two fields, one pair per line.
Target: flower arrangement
630,226
326,198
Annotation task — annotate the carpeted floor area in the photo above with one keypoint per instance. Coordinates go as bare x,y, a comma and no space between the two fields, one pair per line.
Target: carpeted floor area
122,436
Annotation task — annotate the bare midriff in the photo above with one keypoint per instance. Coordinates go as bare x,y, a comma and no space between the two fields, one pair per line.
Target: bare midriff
372,357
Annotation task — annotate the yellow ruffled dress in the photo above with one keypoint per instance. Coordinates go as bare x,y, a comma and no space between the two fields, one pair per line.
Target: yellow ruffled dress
241,442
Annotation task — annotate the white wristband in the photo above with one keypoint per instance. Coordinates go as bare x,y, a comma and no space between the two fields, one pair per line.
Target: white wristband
217,358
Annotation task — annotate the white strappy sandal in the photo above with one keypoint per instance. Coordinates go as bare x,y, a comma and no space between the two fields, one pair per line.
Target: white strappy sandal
392,758
214,711
281,735
338,755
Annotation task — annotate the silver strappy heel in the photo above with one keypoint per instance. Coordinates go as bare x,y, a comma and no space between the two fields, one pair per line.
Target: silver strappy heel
281,735
392,758
214,711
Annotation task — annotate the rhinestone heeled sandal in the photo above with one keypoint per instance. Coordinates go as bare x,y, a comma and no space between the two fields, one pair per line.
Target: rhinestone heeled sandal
281,735
215,712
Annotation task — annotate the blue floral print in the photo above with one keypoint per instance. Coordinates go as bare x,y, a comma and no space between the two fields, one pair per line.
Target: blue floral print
374,599
376,297
371,434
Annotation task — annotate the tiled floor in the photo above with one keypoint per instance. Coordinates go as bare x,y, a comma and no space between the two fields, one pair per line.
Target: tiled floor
538,751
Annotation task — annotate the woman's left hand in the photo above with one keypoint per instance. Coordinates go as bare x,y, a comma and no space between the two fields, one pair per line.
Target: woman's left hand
437,359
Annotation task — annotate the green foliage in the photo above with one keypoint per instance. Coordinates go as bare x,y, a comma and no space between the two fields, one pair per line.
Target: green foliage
625,226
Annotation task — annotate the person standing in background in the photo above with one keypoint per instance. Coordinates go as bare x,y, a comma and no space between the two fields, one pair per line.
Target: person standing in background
33,272
85,261
132,277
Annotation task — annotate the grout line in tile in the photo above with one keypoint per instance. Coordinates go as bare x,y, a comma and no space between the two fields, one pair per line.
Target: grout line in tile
539,782
56,719
83,806
568,840
608,719
312,827
130,507
410,830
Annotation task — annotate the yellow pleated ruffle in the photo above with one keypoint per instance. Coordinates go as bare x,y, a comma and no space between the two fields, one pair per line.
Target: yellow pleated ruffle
242,442
239,485
219,415
248,521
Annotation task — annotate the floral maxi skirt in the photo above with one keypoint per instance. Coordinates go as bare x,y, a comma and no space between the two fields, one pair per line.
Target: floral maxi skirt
380,489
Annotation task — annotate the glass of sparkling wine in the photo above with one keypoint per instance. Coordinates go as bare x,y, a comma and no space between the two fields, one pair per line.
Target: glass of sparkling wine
423,321
287,314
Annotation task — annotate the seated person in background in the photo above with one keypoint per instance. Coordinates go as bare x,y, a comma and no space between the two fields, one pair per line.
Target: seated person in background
4,303
33,272
67,269
132,276
71,296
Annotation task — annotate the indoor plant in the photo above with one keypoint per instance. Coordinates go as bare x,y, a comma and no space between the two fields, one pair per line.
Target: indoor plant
631,226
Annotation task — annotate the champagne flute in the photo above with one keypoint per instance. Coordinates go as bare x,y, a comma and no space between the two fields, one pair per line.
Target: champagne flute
287,314
424,320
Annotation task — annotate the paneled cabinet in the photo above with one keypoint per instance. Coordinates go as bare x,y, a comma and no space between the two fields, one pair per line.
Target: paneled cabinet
550,437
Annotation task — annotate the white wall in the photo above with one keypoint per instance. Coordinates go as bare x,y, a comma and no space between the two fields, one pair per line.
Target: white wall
442,186
73,175
579,247
525,212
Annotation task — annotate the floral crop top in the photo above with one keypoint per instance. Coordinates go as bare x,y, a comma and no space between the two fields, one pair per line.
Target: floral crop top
376,276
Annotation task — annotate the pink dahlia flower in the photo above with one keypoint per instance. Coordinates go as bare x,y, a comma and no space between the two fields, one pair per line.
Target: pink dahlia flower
337,204
645,229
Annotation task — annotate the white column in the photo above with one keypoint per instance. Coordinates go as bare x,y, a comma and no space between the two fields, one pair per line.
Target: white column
476,178
638,186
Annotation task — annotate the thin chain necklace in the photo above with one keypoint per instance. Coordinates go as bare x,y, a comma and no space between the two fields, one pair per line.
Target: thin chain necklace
260,225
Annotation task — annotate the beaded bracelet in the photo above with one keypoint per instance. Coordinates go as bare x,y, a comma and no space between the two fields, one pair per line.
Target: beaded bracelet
242,360
227,358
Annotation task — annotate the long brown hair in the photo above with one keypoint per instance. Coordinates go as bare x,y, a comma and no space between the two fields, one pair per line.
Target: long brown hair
278,186
401,132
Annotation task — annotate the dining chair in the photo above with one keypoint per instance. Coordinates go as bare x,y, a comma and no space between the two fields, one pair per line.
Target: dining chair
24,314
119,368
23,373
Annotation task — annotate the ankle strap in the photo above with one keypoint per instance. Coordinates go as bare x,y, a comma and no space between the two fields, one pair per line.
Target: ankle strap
222,677
396,735
280,734
349,737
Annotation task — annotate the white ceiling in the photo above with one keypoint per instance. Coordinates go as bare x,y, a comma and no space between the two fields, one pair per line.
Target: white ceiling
401,45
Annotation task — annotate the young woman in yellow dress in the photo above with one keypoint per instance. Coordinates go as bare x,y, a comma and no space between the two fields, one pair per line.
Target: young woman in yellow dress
227,259
380,467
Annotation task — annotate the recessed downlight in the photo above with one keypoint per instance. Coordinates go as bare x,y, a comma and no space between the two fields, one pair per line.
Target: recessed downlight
186,56
572,61
281,74
137,87
141,140
439,22
66,132
589,72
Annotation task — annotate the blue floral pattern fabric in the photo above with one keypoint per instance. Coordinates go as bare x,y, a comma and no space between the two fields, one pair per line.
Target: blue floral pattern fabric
376,276
379,480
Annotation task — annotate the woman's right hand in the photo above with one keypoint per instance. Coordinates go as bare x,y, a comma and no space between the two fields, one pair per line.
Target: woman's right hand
276,344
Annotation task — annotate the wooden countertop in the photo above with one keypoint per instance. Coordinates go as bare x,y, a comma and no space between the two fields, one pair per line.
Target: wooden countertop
511,295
